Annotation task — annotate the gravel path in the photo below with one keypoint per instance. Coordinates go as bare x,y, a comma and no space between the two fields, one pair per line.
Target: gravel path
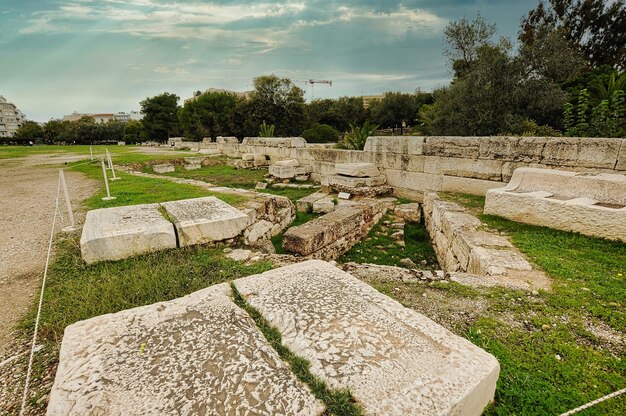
28,189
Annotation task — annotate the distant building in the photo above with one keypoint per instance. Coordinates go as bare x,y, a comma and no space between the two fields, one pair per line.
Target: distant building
196,94
105,117
369,99
10,118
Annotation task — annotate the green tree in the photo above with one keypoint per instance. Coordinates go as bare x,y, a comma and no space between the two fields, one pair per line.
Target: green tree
395,110
356,138
160,120
596,28
209,114
276,101
56,130
133,131
28,131
321,133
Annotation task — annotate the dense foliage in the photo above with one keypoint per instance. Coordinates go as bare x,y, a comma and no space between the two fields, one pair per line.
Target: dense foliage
321,133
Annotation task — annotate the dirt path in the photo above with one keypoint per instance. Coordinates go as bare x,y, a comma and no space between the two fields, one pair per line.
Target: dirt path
28,189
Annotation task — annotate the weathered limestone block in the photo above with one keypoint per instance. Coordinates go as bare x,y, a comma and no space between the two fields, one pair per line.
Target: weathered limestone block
121,232
193,166
561,151
226,140
530,149
260,160
166,168
468,185
407,145
275,141
601,153
358,170
621,158
259,230
324,205
410,212
498,148
417,181
495,262
394,360
288,163
195,160
354,182
306,204
466,168
320,232
247,157
288,172
205,220
463,147
199,354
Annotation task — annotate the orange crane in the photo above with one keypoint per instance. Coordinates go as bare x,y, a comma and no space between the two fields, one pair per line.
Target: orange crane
312,83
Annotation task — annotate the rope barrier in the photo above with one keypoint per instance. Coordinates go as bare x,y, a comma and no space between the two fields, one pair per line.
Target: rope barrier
43,285
594,402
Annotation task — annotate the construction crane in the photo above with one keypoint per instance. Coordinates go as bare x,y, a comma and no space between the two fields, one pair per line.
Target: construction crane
312,83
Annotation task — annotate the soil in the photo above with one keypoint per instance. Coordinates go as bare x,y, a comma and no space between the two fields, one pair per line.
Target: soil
28,187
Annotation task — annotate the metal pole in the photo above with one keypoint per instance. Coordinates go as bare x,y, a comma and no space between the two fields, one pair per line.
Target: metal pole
70,214
106,182
114,178
109,164
90,152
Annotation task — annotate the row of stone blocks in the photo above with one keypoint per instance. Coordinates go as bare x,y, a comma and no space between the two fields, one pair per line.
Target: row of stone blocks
121,232
202,354
590,204
461,246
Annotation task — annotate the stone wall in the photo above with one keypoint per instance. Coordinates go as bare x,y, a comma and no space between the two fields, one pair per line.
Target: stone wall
414,164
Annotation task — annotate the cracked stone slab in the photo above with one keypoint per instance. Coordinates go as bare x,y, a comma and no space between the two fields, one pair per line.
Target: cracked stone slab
360,170
394,360
196,355
205,220
121,232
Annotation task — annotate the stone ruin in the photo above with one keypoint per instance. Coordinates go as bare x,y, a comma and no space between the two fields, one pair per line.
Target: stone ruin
363,179
202,354
593,204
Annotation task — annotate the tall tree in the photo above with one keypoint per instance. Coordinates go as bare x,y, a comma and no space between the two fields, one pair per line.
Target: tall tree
597,28
209,114
29,130
274,101
395,110
160,120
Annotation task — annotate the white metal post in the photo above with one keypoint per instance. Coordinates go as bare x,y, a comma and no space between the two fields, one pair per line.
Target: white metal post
114,178
90,152
70,214
108,155
106,182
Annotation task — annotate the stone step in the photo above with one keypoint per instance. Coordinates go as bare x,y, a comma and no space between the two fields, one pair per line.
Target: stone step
394,360
121,232
199,354
360,170
166,168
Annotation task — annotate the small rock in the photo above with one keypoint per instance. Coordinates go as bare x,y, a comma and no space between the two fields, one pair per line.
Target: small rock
408,263
424,263
239,255
398,235
534,293
545,327
261,185
424,295
228,250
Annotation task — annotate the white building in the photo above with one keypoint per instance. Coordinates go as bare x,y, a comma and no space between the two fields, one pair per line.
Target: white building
10,118
105,117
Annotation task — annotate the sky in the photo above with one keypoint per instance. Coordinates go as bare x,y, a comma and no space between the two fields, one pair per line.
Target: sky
90,56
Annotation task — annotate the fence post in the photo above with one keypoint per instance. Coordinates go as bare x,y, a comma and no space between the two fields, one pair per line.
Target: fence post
70,214
114,178
106,182
90,152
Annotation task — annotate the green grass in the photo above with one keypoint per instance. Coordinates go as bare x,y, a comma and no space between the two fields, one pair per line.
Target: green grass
132,190
551,359
76,291
223,175
380,247
338,402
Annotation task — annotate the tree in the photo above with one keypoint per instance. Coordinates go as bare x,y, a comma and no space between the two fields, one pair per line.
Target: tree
209,114
395,110
133,131
275,101
338,113
160,120
28,131
596,28
356,138
321,133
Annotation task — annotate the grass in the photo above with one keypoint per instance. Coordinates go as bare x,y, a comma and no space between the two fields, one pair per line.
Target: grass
551,347
76,291
223,175
338,402
132,190
380,247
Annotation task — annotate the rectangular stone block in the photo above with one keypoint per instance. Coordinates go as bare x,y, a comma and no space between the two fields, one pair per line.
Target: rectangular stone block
601,153
359,170
322,231
195,160
226,140
163,168
392,359
306,204
620,165
414,180
468,185
275,141
352,182
287,172
462,147
199,354
288,163
193,166
407,145
205,220
121,232
466,168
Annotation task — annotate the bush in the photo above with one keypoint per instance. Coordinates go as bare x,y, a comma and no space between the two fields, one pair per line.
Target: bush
321,133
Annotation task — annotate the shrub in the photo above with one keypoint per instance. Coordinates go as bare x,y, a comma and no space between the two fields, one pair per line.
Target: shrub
321,133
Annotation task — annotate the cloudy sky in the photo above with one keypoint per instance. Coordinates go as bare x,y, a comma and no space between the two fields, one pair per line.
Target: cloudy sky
59,56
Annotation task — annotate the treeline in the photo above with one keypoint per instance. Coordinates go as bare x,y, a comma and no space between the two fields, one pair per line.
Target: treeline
82,131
